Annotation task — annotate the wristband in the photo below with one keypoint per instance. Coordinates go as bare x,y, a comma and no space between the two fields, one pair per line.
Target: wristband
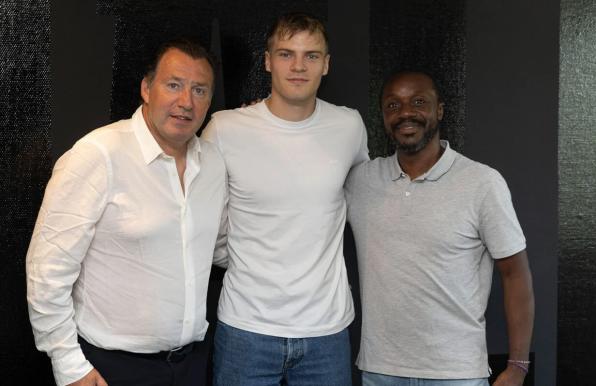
523,365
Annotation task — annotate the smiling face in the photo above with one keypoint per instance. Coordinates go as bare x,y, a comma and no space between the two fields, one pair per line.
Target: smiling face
177,98
411,111
297,63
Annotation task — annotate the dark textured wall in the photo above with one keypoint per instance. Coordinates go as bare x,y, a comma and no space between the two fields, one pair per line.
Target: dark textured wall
511,125
497,62
577,194
81,57
24,170
427,35
237,28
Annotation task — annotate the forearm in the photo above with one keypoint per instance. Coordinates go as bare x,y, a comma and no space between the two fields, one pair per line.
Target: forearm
51,312
519,312
220,253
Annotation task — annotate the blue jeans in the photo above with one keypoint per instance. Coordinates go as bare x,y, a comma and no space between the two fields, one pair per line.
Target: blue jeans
374,379
243,358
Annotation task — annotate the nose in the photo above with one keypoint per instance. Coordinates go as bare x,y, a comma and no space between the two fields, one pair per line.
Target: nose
298,64
406,111
185,99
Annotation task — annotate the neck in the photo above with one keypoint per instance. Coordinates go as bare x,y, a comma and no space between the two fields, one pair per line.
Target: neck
414,165
176,150
290,110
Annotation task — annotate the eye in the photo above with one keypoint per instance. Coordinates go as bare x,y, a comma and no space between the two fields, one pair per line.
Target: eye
391,105
172,85
200,91
312,56
419,102
283,54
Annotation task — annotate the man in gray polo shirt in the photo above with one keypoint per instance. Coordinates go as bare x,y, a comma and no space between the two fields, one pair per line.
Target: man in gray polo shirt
428,224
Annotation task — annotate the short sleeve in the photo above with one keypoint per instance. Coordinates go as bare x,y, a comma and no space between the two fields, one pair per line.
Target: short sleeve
499,227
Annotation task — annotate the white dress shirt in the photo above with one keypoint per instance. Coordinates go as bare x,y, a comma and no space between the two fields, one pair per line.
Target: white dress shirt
121,254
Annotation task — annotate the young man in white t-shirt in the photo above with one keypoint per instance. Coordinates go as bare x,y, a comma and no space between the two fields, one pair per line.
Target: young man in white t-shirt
286,303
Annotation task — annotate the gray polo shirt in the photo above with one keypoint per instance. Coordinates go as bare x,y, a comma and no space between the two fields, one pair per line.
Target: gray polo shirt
425,256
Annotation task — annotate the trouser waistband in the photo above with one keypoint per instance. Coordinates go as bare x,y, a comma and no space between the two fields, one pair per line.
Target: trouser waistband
176,355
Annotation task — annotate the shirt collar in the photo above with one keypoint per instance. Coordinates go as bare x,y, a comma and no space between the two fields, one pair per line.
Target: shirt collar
441,167
149,146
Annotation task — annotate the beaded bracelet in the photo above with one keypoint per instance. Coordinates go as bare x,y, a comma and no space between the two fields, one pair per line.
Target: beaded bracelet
520,364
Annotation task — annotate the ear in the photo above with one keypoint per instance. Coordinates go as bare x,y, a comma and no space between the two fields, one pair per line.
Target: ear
440,111
267,61
145,90
326,65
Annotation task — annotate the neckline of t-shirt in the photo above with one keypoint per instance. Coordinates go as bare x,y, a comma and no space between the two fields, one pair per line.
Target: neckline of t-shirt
292,125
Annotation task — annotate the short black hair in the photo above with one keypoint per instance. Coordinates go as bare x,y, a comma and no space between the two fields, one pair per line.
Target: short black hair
396,73
290,24
188,45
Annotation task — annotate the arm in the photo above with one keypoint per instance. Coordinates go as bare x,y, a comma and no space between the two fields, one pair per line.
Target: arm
362,152
220,254
73,202
519,313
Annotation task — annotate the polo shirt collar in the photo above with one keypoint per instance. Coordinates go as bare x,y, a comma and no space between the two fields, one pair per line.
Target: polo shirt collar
437,171
149,146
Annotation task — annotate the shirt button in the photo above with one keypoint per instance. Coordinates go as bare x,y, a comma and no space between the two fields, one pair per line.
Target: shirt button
407,194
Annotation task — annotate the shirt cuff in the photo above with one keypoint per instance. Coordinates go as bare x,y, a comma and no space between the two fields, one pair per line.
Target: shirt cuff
70,368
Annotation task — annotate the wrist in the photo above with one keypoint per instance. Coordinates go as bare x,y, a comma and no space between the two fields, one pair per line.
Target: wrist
522,366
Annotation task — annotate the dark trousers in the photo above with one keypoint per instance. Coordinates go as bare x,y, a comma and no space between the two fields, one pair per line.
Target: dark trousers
122,368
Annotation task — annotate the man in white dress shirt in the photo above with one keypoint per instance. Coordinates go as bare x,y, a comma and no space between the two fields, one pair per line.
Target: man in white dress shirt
119,261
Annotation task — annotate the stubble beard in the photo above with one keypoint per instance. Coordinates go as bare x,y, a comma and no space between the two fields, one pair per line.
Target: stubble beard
413,148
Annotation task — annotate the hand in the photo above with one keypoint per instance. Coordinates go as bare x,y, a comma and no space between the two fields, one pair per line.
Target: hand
512,376
252,102
93,378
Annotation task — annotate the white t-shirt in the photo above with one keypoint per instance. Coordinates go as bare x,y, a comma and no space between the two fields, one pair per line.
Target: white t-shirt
286,274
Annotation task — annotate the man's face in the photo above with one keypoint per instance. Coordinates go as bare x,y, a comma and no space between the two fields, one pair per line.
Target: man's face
411,111
177,98
297,65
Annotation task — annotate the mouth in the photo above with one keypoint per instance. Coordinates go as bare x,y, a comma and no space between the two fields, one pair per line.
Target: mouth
407,127
297,80
181,117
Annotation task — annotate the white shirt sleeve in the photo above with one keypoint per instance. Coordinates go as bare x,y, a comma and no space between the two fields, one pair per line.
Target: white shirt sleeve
74,200
210,134
362,152
220,254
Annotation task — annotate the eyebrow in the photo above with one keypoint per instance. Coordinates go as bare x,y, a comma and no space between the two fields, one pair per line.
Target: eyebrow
307,52
181,80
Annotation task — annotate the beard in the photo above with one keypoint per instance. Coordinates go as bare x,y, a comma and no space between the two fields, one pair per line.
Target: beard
413,148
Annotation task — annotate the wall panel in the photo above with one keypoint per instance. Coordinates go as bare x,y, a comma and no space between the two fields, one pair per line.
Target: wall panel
577,194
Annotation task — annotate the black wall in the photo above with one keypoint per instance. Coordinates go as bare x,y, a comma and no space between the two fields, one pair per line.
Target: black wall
499,59
512,86
25,164
577,194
